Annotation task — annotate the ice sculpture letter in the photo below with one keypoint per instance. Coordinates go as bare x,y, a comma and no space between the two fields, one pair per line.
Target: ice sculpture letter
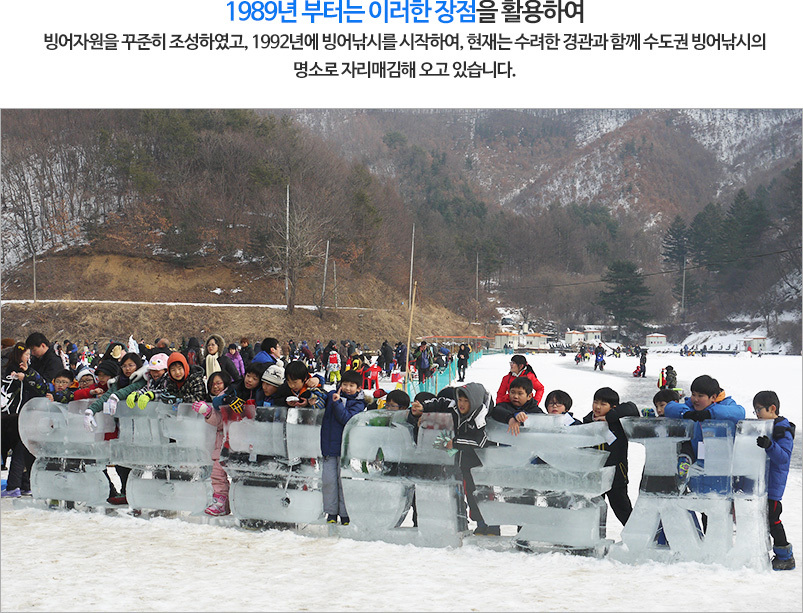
728,485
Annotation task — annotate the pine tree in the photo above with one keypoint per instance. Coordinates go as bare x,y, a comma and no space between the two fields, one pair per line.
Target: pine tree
625,295
705,237
743,227
675,253
675,243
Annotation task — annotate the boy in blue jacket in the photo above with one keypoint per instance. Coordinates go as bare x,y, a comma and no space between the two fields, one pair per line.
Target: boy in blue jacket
707,401
779,450
341,405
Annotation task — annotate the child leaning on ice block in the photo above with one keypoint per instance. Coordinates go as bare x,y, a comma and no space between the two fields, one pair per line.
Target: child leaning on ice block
341,405
708,401
659,402
606,407
469,411
779,449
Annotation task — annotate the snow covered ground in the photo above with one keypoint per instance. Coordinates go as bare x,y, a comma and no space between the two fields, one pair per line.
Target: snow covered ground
71,561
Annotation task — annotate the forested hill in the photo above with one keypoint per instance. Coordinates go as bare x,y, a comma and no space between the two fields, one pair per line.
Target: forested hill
658,163
539,203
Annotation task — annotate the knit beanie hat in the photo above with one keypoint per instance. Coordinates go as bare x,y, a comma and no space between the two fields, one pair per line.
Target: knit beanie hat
86,370
274,374
108,367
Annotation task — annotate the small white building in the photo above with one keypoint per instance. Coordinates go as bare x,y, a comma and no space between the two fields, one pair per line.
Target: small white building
573,336
511,339
535,340
656,340
755,344
592,336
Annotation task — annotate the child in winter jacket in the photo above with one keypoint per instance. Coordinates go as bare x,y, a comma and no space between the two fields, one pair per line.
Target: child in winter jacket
341,405
707,401
97,385
185,383
333,366
155,383
139,393
779,449
272,380
61,382
520,404
245,392
215,388
606,407
559,402
670,378
299,383
469,411
659,401
519,368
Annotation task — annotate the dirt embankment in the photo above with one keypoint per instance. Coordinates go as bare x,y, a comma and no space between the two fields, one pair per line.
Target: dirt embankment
113,277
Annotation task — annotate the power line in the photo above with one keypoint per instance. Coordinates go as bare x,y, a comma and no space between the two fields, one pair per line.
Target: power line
666,272
647,274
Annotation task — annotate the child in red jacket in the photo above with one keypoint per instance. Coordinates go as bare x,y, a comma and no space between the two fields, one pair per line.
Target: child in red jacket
519,368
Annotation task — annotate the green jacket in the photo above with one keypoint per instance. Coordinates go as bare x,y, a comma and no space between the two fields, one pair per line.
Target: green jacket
122,394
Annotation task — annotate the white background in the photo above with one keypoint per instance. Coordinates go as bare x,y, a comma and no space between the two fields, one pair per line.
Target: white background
36,77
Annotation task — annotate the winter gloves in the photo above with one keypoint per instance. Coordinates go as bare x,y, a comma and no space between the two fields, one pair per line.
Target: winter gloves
199,406
697,415
442,442
140,400
89,420
237,405
764,442
111,403
131,399
169,398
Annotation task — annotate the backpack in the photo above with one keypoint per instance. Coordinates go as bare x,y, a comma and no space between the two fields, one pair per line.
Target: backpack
334,358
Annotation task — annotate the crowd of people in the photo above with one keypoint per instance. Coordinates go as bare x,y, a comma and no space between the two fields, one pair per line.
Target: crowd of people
236,375
240,378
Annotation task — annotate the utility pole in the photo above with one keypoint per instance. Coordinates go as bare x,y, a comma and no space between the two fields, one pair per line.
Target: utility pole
412,251
325,266
287,252
477,294
34,276
334,270
683,292
409,340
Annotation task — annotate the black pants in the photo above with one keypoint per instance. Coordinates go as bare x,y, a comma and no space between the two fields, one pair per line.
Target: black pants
467,460
776,527
471,499
461,371
9,436
620,503
19,473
